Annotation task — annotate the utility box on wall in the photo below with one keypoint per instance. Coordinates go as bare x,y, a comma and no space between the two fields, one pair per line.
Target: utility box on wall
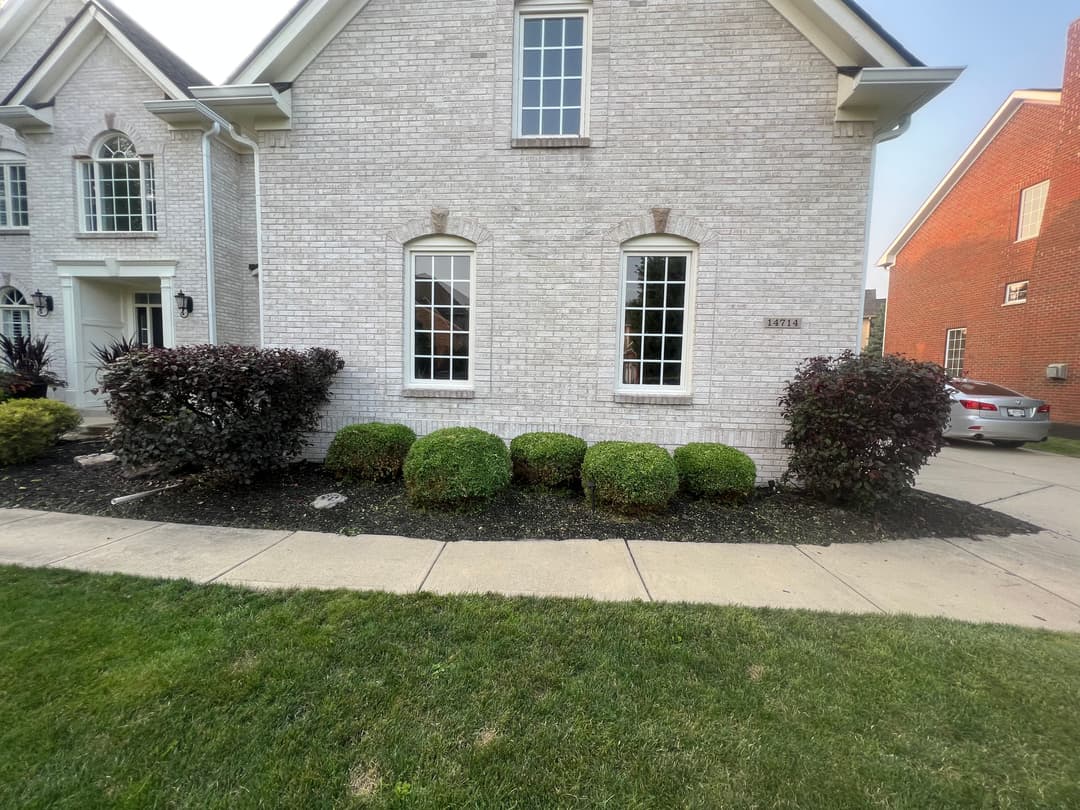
1057,371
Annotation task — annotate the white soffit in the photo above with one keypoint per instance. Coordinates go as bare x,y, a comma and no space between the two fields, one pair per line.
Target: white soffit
967,159
78,42
845,38
293,45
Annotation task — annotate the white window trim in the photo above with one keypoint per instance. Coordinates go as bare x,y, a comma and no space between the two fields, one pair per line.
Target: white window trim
1042,188
659,245
5,168
93,162
26,309
948,334
1009,286
542,9
437,245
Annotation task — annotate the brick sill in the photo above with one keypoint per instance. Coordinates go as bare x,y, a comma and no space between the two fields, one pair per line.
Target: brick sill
119,235
438,393
654,399
1013,303
549,143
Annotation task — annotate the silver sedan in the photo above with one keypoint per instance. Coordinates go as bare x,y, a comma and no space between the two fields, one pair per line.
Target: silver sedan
982,410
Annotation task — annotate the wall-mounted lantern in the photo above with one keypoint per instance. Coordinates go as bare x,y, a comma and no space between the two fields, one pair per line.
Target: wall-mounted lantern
184,304
42,303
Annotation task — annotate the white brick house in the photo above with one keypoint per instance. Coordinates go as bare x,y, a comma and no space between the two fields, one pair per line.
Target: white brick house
542,214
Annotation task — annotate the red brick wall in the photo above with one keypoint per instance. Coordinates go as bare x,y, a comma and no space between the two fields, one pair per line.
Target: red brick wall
953,271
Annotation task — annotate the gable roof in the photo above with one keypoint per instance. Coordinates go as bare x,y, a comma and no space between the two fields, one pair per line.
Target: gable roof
841,29
173,74
997,123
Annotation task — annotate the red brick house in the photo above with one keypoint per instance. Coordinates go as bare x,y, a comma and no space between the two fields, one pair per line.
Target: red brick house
986,275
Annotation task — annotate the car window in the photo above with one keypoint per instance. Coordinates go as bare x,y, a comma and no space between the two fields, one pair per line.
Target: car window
982,389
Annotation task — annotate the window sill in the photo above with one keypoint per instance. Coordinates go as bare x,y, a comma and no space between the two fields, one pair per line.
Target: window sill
1013,303
438,393
549,143
118,235
15,231
653,399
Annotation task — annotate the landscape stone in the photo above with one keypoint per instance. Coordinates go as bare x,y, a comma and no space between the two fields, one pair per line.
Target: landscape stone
95,459
329,501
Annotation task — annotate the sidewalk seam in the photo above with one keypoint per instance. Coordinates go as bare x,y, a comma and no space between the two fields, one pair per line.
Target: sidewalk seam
249,559
25,517
1017,495
842,581
637,570
431,567
102,545
1013,573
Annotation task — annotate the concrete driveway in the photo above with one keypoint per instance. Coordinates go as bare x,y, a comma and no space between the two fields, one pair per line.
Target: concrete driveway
1041,488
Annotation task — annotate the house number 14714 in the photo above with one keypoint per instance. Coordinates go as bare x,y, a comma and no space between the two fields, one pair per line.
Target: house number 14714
781,323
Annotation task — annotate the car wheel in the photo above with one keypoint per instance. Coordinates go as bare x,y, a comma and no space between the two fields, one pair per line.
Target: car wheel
1005,444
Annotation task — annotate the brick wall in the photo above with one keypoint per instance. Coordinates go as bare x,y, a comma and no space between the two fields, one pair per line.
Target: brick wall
236,290
953,271
725,118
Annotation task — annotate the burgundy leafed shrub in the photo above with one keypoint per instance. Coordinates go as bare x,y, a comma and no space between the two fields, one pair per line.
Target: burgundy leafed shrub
862,426
231,410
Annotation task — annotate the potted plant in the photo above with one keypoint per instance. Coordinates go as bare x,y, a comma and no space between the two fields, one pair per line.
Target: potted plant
27,362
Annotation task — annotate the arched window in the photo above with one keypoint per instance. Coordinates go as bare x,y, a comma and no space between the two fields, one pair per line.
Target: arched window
656,306
118,188
439,319
14,313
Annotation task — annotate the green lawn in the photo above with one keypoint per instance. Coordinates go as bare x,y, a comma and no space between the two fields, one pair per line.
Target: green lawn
1056,444
119,692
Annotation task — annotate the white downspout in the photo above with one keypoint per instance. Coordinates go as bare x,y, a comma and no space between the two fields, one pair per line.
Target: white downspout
258,224
208,218
888,135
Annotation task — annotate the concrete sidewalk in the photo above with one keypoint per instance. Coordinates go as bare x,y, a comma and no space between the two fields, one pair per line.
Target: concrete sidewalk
1031,580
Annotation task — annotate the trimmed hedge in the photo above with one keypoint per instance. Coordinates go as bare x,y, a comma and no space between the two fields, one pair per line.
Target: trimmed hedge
715,470
862,426
29,427
456,467
230,410
370,451
549,459
630,477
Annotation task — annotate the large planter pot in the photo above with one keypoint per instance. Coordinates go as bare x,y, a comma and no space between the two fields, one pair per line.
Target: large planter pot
36,391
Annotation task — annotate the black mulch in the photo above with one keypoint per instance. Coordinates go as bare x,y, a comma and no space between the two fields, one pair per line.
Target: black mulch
282,501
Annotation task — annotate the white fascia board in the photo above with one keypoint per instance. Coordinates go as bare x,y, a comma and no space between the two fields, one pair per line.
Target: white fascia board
78,43
16,18
294,47
256,106
844,38
25,119
965,162
885,95
187,113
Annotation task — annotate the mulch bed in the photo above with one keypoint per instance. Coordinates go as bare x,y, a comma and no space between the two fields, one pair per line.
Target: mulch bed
282,501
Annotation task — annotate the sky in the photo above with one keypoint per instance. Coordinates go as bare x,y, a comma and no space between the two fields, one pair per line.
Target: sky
1004,44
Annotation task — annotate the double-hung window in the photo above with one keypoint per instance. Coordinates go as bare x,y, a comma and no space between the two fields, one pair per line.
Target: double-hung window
439,317
14,212
552,70
117,189
1032,206
1016,293
14,314
656,306
955,342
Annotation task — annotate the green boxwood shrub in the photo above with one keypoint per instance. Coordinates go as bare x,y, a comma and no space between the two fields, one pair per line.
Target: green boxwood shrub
860,426
549,459
709,470
369,452
456,467
29,427
630,477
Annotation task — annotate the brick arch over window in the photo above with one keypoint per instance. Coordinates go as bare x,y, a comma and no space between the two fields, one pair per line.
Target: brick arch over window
661,221
91,138
441,223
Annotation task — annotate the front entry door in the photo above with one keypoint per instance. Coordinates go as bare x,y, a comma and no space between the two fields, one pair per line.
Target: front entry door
149,327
